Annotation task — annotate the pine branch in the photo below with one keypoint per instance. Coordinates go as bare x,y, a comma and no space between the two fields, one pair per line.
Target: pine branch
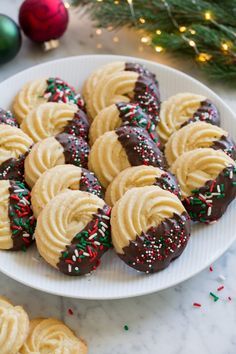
208,28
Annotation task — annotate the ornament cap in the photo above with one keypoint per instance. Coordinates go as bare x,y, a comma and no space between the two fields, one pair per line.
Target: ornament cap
50,45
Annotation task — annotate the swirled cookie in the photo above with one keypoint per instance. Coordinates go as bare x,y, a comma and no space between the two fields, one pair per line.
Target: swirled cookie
122,82
44,90
14,146
116,150
198,135
51,118
119,114
6,117
140,176
73,232
60,178
51,336
59,150
150,228
185,108
14,327
207,179
17,222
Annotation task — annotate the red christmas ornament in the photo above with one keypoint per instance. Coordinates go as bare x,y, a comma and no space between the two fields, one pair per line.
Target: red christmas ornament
43,20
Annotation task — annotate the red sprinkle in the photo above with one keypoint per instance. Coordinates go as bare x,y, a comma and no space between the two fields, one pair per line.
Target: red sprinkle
70,312
196,304
220,288
210,269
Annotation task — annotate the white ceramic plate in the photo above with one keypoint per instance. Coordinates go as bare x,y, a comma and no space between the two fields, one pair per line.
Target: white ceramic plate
114,279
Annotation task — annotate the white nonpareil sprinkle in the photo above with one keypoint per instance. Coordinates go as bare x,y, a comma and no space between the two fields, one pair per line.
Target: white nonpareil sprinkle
69,268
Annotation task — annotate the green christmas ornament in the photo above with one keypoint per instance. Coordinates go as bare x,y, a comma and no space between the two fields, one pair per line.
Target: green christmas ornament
10,39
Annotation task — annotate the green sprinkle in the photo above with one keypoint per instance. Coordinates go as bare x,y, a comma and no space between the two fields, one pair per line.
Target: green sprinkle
126,328
215,298
222,187
65,254
24,249
234,183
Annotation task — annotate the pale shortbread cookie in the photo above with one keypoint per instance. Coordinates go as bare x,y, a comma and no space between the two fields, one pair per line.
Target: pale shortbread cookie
14,327
194,168
150,228
13,142
192,136
179,109
59,150
128,146
139,176
48,119
57,180
44,90
6,241
66,216
51,336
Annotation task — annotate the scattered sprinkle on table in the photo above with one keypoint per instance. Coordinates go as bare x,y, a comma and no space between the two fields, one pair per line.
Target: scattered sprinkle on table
215,298
70,312
126,328
211,269
220,288
221,278
196,304
229,298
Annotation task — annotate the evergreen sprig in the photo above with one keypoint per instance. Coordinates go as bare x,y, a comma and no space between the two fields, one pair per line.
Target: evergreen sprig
203,30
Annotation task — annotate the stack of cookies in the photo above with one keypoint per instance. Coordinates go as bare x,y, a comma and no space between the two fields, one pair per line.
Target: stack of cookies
114,168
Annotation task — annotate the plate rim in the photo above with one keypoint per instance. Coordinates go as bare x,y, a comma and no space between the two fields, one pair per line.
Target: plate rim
220,252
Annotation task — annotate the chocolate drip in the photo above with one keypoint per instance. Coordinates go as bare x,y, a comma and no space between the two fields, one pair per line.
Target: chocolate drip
207,112
87,247
89,183
226,144
13,168
146,91
76,150
6,117
22,221
140,149
78,126
131,114
208,203
154,249
168,182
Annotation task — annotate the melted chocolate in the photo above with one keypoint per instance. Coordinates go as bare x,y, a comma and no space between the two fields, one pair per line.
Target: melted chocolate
22,221
207,112
13,168
209,203
140,149
131,114
89,183
154,249
226,144
78,126
146,91
83,254
76,150
168,182
6,117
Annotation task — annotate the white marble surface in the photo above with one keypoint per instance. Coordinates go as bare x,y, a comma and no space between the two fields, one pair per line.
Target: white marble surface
163,322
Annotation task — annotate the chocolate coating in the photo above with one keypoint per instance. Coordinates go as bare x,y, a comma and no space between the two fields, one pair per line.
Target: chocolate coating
83,254
6,117
154,249
168,182
22,221
207,112
76,150
146,91
78,126
131,114
89,183
140,149
13,168
208,203
226,144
